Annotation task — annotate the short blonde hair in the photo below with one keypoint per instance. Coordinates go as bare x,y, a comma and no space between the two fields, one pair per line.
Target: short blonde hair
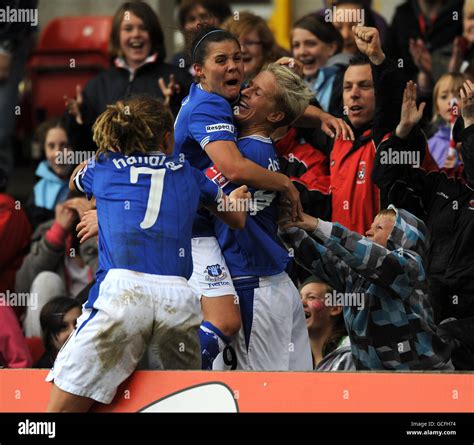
291,95
388,212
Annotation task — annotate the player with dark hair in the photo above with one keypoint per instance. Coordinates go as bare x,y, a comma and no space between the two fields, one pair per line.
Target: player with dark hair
206,135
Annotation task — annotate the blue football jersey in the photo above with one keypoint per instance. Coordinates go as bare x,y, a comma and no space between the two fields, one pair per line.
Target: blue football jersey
256,250
146,205
204,117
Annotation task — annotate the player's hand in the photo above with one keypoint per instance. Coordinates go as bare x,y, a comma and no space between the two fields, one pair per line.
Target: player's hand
368,41
307,222
73,106
170,90
88,227
292,195
291,63
240,194
5,64
65,216
335,127
80,205
410,114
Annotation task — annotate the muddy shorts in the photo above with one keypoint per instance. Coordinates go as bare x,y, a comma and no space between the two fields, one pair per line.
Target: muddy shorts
133,312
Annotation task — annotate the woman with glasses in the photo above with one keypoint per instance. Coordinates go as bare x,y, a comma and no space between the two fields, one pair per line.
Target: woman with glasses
256,40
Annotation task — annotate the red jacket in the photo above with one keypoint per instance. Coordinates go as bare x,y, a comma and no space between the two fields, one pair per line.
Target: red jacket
14,352
308,168
355,198
15,234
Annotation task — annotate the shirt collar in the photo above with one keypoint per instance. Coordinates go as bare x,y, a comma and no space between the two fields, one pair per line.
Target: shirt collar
120,62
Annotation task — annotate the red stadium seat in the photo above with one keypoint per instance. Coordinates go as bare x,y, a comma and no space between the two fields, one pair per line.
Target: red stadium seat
70,51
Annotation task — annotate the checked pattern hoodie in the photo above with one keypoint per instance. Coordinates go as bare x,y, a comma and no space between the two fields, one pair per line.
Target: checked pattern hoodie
394,330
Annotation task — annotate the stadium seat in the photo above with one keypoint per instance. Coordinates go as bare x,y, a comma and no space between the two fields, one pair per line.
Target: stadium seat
70,51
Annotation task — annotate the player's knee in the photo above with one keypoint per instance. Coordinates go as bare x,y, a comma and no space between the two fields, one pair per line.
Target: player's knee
231,325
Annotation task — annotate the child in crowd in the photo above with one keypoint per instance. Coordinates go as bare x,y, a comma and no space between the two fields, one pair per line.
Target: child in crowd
58,319
56,264
393,328
330,345
54,171
445,98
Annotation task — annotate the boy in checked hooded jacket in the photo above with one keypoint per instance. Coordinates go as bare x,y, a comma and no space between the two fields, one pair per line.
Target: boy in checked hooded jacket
393,329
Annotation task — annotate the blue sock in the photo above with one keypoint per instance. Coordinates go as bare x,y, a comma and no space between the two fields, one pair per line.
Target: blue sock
212,342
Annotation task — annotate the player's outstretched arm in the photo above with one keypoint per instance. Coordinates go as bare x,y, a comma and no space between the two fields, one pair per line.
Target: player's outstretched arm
331,125
239,170
233,209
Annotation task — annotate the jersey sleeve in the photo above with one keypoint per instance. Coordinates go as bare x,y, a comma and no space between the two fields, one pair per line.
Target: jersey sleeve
212,121
84,179
211,193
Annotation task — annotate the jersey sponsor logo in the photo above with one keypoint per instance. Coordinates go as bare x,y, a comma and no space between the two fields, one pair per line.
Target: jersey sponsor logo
216,176
220,127
361,172
214,273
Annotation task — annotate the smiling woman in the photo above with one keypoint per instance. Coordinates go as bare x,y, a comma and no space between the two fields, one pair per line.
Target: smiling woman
136,33
137,53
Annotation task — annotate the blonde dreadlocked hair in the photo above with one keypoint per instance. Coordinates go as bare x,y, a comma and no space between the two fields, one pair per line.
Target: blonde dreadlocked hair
133,125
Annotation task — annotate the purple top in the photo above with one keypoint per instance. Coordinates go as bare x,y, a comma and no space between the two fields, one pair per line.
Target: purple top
439,145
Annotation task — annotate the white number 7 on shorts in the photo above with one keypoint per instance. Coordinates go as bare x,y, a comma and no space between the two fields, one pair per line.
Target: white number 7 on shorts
156,192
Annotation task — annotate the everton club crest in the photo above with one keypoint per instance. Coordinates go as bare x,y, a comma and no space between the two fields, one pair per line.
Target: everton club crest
215,272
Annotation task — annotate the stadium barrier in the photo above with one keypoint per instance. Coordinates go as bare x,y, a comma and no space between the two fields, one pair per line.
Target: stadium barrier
204,391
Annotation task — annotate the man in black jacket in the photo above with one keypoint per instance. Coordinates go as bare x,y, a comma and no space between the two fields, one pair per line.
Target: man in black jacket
448,207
